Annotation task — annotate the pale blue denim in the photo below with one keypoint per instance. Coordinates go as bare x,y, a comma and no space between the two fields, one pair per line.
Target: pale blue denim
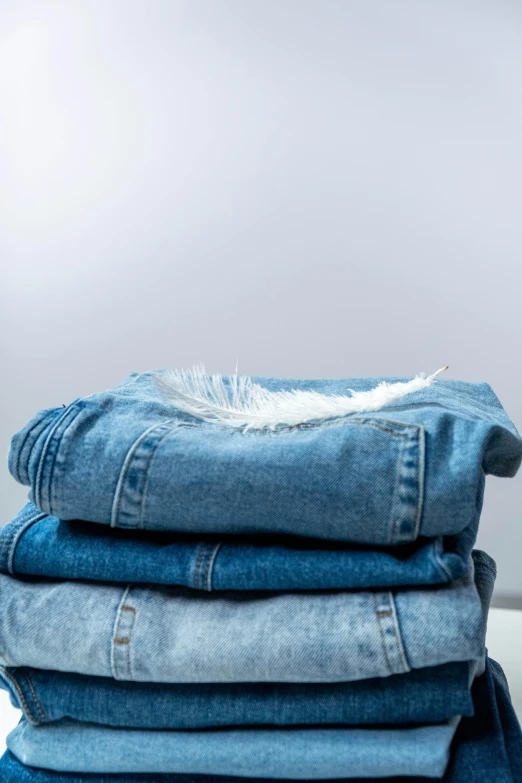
127,458
425,695
428,695
487,748
288,753
181,635
40,545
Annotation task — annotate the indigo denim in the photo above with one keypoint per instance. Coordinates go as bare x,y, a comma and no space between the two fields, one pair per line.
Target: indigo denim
127,458
40,545
429,695
180,635
289,753
487,749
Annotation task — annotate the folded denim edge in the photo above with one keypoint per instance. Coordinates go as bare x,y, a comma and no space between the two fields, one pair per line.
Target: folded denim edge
436,552
11,534
18,684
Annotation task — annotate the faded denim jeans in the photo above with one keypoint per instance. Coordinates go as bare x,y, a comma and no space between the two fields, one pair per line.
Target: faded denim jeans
129,458
487,748
290,752
179,635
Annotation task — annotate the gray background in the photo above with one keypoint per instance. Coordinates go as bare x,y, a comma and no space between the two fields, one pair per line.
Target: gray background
310,188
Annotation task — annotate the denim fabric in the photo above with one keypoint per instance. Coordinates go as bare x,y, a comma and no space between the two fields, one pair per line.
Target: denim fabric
36,544
127,458
289,753
429,695
487,749
181,635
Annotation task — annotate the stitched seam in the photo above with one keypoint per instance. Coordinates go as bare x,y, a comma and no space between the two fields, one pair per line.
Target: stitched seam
35,697
15,537
436,556
125,470
113,653
22,445
210,566
123,474
398,635
397,648
150,456
123,640
396,495
421,472
128,649
197,566
419,465
61,436
381,631
7,543
20,693
40,471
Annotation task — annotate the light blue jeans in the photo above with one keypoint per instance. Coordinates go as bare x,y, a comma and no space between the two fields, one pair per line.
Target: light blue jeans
128,458
180,635
312,753
487,748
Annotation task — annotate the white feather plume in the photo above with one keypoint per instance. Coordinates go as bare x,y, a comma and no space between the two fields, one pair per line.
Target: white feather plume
242,403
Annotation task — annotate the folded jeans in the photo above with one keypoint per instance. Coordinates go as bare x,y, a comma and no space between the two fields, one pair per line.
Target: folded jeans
130,458
487,748
429,695
159,634
289,753
40,545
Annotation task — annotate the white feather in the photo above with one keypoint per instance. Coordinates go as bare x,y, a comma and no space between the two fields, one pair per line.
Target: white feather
243,403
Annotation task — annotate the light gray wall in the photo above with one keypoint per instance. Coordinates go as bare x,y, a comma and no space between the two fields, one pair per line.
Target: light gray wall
311,187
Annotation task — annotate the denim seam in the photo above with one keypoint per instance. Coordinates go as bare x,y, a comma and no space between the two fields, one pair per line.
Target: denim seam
421,477
120,643
10,544
146,481
123,474
22,447
390,633
39,707
60,435
127,465
436,549
6,544
21,696
21,450
394,536
400,645
210,566
44,455
202,579
403,505
197,566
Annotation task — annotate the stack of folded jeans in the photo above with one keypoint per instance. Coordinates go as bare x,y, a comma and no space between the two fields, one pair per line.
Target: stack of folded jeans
225,578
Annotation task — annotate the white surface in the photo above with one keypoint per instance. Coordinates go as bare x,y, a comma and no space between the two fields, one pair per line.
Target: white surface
504,644
314,189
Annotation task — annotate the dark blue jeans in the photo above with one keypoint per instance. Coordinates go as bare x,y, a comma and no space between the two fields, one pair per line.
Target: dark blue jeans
39,545
428,695
487,748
